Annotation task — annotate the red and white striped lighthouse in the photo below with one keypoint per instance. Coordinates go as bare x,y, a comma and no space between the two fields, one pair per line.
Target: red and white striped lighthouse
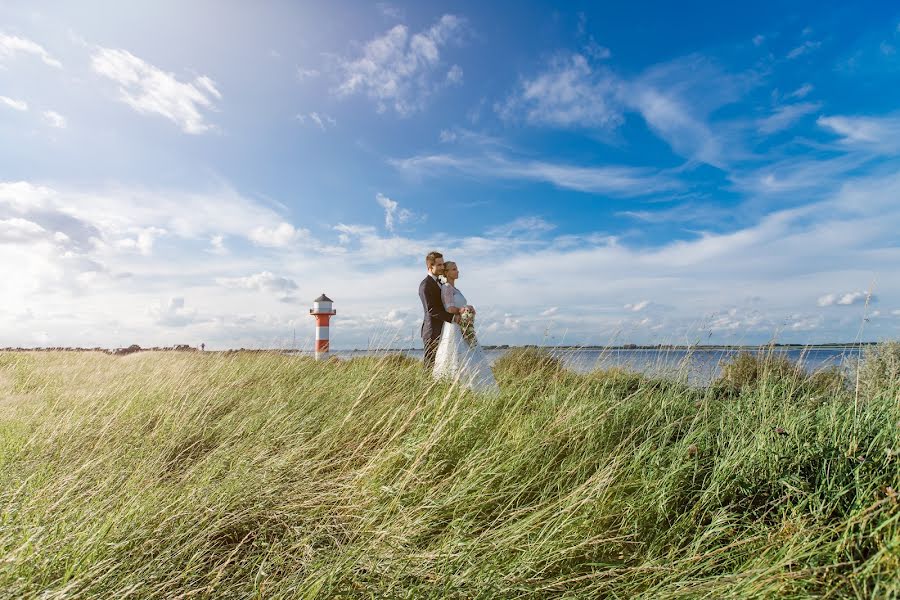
322,311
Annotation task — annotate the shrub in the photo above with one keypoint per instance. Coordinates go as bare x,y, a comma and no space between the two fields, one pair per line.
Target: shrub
880,369
748,370
752,370
626,382
520,363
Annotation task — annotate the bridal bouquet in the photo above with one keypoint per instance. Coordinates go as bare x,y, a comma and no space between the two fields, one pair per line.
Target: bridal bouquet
467,324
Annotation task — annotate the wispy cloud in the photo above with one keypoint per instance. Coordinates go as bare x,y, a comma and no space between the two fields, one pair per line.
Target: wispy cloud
150,90
390,11
637,306
569,92
611,180
804,48
674,98
11,46
787,256
785,116
20,105
802,91
282,235
304,74
844,299
522,226
398,70
173,313
117,213
320,120
879,134
265,282
392,212
54,119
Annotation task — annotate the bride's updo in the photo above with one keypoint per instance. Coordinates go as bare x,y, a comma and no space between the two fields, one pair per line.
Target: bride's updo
447,266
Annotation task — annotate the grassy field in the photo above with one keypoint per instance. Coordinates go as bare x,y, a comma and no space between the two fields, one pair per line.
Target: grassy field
176,475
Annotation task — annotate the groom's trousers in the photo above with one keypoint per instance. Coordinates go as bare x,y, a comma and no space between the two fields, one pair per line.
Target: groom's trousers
430,345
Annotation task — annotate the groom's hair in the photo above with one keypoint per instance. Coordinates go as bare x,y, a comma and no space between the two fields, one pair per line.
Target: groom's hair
431,258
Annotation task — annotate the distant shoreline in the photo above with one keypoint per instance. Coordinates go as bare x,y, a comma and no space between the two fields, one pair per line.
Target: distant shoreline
186,348
639,347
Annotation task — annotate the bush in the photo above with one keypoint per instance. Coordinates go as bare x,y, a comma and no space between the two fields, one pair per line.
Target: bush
626,382
880,369
748,370
520,363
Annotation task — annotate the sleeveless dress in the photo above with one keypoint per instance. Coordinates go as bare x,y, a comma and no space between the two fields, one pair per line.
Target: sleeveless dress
455,359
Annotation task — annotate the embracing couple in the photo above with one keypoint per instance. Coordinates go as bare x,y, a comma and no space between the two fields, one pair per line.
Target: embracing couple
448,330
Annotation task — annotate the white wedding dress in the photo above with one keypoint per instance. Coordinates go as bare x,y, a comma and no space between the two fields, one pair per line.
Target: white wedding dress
455,359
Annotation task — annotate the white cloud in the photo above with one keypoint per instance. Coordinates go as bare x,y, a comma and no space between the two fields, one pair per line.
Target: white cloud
887,49
880,134
217,245
397,69
568,93
390,211
389,11
785,116
549,312
802,91
54,119
279,236
117,214
14,104
611,180
522,226
150,90
804,48
637,306
10,46
320,120
172,313
143,242
447,136
455,75
845,299
18,230
674,98
304,74
265,281
758,39
785,257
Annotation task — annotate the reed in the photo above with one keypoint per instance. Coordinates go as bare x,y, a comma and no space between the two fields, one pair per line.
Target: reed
257,475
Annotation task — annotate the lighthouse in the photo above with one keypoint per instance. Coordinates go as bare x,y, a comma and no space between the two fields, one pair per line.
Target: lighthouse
322,311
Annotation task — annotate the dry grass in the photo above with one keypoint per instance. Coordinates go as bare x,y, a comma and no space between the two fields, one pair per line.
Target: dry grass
176,475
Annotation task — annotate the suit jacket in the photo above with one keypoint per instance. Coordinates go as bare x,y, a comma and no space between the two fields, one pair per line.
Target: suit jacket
435,314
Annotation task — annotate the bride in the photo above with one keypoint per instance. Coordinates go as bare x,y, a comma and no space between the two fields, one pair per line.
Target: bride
458,358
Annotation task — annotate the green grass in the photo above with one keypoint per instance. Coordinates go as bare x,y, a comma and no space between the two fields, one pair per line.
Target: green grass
177,475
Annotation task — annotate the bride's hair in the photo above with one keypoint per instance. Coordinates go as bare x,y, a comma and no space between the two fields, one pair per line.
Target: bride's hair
449,265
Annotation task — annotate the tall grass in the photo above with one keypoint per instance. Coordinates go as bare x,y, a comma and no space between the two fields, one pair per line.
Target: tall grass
176,475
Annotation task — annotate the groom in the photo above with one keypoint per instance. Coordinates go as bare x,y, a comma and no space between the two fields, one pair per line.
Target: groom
435,315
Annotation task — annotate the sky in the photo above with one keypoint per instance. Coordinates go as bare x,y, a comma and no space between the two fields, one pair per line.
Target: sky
676,173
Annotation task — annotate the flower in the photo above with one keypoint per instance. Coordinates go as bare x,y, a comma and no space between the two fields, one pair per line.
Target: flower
467,324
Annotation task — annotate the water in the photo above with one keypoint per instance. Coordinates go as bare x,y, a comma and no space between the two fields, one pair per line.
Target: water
701,365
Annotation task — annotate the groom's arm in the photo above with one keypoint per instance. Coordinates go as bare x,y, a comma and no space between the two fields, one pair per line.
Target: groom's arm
434,305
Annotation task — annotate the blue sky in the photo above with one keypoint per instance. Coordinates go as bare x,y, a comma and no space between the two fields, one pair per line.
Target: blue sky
602,174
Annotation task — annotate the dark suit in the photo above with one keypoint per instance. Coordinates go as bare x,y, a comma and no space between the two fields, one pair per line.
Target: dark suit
435,317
